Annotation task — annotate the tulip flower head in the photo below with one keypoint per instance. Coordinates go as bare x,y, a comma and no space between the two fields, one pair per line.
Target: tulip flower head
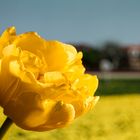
43,84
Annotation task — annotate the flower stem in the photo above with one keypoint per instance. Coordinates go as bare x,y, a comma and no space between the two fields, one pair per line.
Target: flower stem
5,126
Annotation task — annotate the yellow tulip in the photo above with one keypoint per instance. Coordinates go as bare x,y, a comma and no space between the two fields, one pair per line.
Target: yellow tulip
43,84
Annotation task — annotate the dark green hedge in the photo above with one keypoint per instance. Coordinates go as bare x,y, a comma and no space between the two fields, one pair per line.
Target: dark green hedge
118,86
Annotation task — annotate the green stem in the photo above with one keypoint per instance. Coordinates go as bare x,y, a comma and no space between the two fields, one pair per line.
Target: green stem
5,126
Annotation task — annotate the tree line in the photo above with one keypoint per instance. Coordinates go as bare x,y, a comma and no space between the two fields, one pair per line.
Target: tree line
113,53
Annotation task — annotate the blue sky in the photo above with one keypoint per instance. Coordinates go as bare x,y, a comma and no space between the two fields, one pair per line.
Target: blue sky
89,21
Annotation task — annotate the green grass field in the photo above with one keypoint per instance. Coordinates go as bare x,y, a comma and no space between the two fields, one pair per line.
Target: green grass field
114,118
118,86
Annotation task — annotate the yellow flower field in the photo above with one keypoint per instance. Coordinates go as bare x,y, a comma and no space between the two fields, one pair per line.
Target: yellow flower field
113,118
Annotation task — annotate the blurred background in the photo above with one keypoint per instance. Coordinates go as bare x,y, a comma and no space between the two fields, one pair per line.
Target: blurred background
108,34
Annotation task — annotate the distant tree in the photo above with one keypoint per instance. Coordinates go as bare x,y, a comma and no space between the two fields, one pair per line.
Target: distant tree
91,56
91,59
110,51
116,54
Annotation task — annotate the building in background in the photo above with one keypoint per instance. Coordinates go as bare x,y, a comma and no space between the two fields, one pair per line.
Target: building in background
134,56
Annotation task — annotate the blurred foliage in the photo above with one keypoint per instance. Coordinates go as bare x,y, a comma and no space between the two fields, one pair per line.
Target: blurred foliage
112,51
91,59
118,86
118,56
91,56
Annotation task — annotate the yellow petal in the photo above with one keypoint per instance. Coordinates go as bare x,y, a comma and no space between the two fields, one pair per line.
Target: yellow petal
40,114
86,83
7,38
59,55
0,66
58,114
10,50
75,69
12,67
55,78
83,106
31,42
8,83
